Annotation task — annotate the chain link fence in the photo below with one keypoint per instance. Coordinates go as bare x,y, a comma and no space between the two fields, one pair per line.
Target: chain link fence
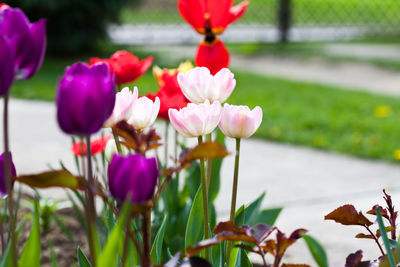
158,21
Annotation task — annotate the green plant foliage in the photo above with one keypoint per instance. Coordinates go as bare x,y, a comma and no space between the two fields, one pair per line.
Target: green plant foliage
317,250
82,259
156,250
194,228
30,256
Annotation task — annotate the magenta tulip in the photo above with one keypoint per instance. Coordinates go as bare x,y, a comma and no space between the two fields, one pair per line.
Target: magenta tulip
27,40
3,182
85,98
6,67
134,175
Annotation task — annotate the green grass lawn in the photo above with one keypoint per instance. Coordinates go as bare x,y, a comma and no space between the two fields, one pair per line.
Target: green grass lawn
336,12
294,112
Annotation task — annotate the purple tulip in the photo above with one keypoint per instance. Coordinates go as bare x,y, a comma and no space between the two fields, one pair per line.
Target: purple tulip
28,41
6,67
3,183
132,175
85,98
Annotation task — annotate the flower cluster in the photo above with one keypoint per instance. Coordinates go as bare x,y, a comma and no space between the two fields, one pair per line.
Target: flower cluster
207,92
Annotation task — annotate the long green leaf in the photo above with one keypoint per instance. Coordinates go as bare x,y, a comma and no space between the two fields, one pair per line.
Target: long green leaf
242,259
109,255
53,256
252,211
82,259
269,216
385,239
158,242
30,256
194,227
6,257
317,250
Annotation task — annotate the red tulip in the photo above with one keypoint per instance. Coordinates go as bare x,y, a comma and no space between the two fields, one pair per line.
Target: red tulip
169,92
126,66
218,13
213,56
96,146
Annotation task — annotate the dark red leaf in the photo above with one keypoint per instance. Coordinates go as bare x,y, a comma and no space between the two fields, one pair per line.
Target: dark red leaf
348,215
361,235
60,178
295,265
206,150
354,260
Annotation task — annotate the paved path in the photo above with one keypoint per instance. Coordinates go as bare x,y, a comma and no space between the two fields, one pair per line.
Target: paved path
345,75
308,183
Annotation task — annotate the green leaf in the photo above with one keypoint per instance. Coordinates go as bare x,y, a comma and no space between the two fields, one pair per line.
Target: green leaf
53,256
6,257
194,227
252,210
269,216
216,170
60,178
389,252
109,255
240,216
82,259
242,259
158,242
30,256
317,250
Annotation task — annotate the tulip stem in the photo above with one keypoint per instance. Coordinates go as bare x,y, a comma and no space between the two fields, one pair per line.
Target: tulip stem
209,163
205,200
146,237
234,194
90,205
117,143
8,178
166,145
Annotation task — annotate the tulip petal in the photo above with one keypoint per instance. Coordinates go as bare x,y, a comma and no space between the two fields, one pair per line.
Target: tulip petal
213,56
237,11
6,67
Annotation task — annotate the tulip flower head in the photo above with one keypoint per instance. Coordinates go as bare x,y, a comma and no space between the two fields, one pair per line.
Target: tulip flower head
198,85
111,149
3,182
126,66
96,146
124,101
144,112
27,40
134,176
169,92
240,121
85,98
196,119
215,14
6,67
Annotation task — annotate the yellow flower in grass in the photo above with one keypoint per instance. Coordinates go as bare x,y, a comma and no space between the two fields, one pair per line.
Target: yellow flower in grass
382,111
396,154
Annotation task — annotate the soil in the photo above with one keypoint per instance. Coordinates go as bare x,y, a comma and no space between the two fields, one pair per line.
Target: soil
65,250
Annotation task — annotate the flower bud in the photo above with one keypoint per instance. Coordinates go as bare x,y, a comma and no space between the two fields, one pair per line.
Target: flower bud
3,182
85,98
240,121
196,120
124,101
144,112
134,176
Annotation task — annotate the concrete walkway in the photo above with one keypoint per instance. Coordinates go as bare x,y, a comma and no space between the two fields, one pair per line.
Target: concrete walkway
344,75
308,183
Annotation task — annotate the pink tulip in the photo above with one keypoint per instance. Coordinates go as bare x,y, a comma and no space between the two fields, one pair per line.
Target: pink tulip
144,112
240,121
124,101
196,119
198,85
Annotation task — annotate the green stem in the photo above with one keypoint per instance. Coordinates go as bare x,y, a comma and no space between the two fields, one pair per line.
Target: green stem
209,162
205,200
146,238
91,208
117,143
7,172
166,145
234,194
